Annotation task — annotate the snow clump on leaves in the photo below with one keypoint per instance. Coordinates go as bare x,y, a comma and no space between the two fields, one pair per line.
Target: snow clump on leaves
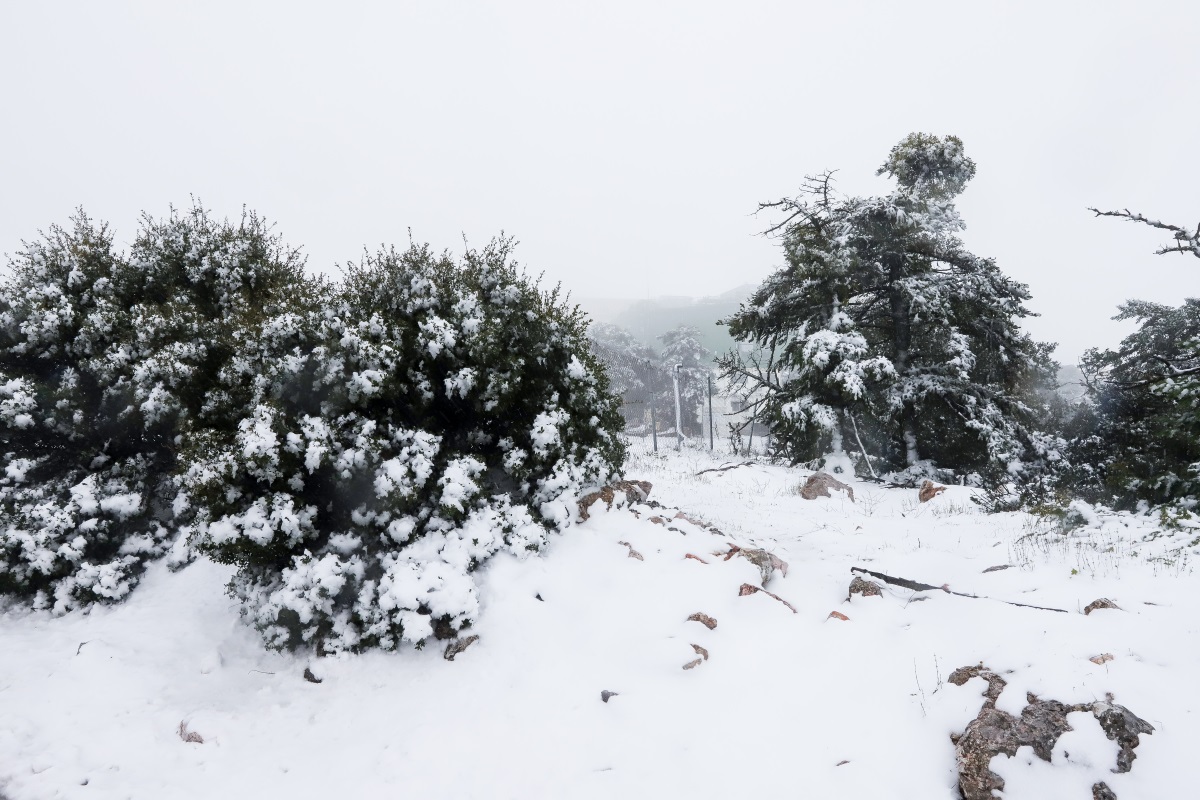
108,362
450,411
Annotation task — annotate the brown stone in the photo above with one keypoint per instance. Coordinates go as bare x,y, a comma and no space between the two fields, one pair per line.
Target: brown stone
864,587
191,737
1103,602
632,553
838,615
634,491
457,646
703,619
819,484
1103,658
929,490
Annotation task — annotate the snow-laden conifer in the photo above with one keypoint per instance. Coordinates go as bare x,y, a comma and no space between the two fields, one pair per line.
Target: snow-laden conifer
682,348
883,331
1137,440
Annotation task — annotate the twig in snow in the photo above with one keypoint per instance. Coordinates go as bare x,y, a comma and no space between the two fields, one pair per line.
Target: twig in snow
924,587
750,588
81,644
727,467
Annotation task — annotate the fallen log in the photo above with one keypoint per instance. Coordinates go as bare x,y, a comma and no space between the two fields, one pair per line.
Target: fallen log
917,586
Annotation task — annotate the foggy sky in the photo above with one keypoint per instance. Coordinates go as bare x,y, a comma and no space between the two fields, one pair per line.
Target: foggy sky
625,144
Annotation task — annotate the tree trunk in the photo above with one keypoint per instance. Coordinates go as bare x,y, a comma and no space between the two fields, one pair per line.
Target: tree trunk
901,313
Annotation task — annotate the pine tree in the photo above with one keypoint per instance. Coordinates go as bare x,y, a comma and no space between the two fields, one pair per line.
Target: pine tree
1139,441
883,327
632,367
682,348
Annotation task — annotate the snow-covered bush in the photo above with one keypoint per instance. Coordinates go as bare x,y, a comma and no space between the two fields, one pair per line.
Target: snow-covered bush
108,363
449,411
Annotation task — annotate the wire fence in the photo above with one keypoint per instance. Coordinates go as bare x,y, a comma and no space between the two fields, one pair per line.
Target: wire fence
711,427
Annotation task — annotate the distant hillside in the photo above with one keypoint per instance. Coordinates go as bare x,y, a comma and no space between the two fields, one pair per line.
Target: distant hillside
648,319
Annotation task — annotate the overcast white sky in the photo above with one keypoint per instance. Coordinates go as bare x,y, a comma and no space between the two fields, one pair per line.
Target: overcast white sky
624,143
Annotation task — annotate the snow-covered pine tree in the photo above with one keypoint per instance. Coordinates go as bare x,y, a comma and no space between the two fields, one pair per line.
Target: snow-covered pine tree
108,364
682,346
882,328
631,364
451,410
1139,442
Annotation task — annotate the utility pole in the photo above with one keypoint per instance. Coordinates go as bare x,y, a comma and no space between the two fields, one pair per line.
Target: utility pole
710,414
678,416
653,419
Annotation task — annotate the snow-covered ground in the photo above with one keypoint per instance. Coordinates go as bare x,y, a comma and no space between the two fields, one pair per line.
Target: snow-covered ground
787,704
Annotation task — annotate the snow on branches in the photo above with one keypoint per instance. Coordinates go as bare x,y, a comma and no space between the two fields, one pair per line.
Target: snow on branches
355,450
882,315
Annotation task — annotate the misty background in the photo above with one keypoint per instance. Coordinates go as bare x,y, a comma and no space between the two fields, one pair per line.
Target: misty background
626,145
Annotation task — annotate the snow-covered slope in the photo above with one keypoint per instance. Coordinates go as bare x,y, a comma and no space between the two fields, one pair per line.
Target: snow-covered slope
786,705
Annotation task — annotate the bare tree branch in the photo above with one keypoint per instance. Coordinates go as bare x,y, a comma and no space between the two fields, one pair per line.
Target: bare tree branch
1186,242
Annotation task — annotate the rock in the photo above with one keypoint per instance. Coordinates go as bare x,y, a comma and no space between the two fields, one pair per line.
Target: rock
700,651
864,587
604,695
1040,725
819,484
634,491
1103,658
191,737
308,676
693,664
1103,602
632,553
703,619
998,567
929,490
698,558
838,615
457,646
766,562
1100,791
1122,726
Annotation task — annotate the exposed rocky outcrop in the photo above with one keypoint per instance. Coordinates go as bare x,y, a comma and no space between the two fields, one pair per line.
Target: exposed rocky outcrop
634,491
1040,725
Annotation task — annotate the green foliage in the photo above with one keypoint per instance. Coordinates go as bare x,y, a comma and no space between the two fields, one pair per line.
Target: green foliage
356,450
448,410
108,362
882,328
1139,440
